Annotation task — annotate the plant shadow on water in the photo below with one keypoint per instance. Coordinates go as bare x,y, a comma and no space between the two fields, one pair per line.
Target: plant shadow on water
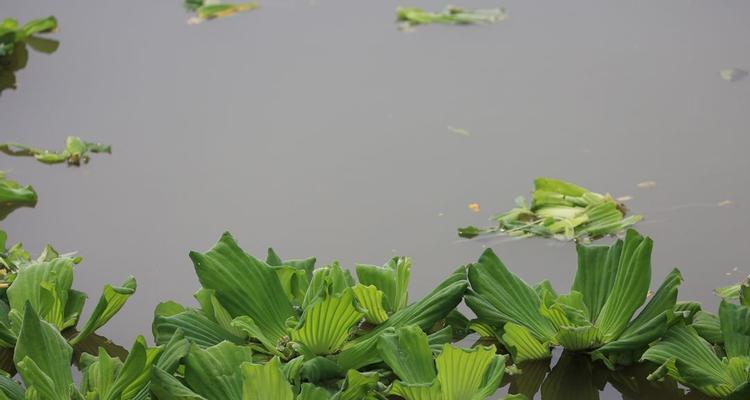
575,376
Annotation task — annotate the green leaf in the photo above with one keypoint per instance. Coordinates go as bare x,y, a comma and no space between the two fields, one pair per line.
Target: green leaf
215,372
597,269
513,300
392,279
451,15
10,389
689,359
630,287
244,285
735,326
469,373
211,11
371,299
312,392
100,374
358,386
264,382
166,387
523,345
13,196
424,313
111,301
708,327
407,352
46,286
42,25
325,325
43,357
197,328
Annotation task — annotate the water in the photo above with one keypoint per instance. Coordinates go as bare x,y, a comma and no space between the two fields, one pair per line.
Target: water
316,127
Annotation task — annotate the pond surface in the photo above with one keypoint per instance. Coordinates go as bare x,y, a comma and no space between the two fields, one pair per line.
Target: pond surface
316,127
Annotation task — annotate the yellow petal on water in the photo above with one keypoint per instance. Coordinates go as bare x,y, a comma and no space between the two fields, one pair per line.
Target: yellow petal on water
475,207
459,131
624,198
647,184
725,203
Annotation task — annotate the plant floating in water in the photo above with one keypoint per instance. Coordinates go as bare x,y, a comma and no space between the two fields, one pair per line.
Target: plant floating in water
611,284
560,210
712,354
75,152
14,195
409,17
11,32
303,324
210,9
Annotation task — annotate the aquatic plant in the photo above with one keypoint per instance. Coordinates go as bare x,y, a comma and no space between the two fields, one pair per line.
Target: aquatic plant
318,325
412,16
453,374
560,210
206,9
11,32
75,152
611,284
14,195
45,284
43,358
721,371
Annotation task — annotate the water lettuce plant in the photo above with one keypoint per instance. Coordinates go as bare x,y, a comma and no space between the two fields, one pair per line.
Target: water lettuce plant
597,316
319,325
14,195
45,284
207,9
43,359
76,151
412,16
710,353
11,32
560,210
453,374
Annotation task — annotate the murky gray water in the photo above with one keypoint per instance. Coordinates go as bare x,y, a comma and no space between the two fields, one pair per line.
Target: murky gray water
316,127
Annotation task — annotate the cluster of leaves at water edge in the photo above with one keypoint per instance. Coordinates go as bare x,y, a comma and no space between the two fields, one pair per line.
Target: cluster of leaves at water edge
11,32
412,16
43,357
208,9
75,153
13,195
560,210
597,316
284,330
710,352
45,284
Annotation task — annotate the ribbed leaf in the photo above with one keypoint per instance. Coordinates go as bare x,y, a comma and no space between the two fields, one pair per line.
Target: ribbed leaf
416,391
358,386
197,328
735,326
424,313
111,301
214,372
43,358
328,323
689,359
312,392
135,373
630,288
597,269
166,387
45,285
462,372
263,382
513,299
708,327
215,311
371,299
392,279
523,345
664,300
579,337
407,352
244,285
